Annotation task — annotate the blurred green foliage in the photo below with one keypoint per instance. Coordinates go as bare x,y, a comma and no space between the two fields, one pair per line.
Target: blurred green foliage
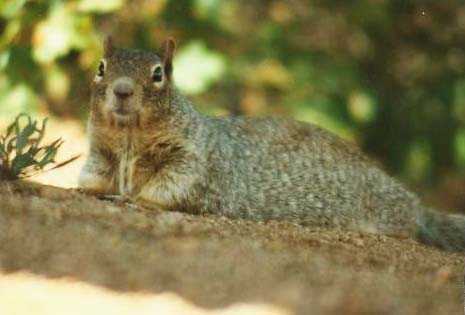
387,74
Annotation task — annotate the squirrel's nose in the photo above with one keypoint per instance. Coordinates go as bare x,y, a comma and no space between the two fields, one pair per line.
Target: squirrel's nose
123,88
123,94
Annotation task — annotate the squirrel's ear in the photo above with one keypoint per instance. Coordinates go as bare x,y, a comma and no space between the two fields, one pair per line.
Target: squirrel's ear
166,53
108,46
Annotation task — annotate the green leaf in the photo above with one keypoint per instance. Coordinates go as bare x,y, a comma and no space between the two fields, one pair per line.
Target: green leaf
196,77
459,142
10,129
11,31
11,8
24,135
101,6
20,162
22,146
49,155
64,29
361,106
11,144
65,162
50,152
3,152
206,8
33,150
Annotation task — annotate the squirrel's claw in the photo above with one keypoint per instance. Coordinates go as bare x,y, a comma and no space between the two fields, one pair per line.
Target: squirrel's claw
116,198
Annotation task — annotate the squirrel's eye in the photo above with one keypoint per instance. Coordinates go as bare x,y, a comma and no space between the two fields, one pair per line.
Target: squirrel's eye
101,69
157,75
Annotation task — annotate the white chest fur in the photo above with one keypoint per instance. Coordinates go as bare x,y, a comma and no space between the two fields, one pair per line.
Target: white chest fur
127,162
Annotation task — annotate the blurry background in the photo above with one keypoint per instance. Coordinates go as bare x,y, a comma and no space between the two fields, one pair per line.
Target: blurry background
387,75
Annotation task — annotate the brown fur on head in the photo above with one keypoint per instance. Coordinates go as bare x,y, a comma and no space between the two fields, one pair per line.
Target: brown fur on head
132,86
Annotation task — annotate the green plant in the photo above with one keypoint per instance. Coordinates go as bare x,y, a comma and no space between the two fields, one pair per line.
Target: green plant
21,153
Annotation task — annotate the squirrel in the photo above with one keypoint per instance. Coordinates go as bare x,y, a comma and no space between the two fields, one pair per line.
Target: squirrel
149,144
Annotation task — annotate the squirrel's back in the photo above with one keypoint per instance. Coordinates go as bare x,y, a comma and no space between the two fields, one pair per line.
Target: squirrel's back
281,169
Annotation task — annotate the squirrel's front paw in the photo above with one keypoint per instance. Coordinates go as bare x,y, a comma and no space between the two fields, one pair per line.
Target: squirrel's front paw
148,203
93,184
114,198
120,200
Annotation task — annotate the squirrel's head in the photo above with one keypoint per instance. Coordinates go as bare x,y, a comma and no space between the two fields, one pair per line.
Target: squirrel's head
131,84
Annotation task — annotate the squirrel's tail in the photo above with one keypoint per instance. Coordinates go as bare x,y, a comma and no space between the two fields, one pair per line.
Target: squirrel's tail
446,231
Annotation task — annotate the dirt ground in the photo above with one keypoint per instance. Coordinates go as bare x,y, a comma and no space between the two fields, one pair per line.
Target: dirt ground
214,262
128,260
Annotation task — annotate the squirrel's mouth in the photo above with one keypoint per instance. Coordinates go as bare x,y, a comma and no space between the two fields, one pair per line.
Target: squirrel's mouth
124,115
123,121
123,118
122,112
121,107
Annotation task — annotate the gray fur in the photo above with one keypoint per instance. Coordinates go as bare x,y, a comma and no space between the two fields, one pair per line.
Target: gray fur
169,155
